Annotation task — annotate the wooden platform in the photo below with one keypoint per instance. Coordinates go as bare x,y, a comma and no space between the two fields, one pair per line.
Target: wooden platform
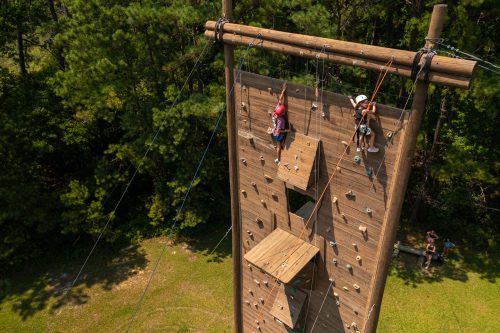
297,160
282,255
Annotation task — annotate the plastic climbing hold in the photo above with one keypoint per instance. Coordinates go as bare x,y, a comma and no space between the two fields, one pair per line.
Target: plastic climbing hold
338,303
296,168
350,193
345,143
348,266
244,161
362,228
389,135
334,200
368,210
333,243
357,159
334,260
358,258
254,184
368,171
345,288
356,286
336,294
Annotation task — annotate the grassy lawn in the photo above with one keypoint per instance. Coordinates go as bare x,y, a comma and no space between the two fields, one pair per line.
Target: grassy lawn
191,292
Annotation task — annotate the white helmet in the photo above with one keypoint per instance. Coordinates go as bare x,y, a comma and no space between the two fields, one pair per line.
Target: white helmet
360,98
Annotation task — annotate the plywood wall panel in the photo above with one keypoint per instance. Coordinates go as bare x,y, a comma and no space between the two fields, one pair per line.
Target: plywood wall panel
337,221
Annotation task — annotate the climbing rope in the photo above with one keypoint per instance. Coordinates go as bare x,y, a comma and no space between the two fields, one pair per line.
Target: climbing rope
380,80
139,303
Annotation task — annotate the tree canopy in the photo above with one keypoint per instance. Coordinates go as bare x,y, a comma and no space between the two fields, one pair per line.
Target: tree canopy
85,86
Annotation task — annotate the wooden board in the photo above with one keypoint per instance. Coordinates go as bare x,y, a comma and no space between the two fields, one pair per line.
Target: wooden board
297,160
265,210
282,255
288,305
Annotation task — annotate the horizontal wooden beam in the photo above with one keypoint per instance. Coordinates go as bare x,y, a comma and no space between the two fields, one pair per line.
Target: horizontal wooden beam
397,69
457,67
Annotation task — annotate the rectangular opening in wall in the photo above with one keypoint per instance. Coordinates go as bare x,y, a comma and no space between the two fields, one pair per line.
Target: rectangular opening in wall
299,203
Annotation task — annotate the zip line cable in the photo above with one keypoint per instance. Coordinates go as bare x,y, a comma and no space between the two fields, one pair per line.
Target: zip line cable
454,49
135,173
141,299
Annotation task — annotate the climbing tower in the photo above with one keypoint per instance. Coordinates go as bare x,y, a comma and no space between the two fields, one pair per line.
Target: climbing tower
312,235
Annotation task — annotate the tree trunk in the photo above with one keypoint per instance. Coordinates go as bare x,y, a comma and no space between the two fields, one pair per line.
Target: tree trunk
20,50
60,58
428,162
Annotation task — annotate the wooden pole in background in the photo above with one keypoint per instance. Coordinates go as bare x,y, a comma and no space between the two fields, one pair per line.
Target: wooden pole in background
402,169
232,134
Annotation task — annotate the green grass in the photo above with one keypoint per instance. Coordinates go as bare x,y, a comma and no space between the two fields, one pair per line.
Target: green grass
191,292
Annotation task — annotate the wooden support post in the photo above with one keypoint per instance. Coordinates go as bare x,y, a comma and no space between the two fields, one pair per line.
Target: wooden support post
402,170
232,134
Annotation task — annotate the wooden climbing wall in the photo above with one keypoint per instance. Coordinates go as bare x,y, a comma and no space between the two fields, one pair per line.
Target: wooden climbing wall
330,293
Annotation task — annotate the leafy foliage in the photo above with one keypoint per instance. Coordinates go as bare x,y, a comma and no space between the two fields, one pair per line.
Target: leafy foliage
102,78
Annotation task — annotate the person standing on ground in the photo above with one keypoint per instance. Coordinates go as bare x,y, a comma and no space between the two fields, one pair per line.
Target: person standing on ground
429,252
362,108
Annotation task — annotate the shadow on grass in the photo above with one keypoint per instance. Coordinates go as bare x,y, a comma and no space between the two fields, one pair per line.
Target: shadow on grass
459,263
47,282
211,241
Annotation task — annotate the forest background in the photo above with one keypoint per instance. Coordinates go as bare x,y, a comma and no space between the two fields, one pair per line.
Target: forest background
85,86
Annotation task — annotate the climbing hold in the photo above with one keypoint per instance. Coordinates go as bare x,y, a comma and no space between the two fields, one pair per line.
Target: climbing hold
354,245
261,300
308,143
265,282
247,302
368,171
357,159
243,192
250,266
336,294
389,135
263,203
368,211
243,106
343,215
270,90
254,184
350,193
356,286
333,243
345,143
334,200
258,221
268,178
250,291
296,168
275,196
355,311
256,306
347,325
334,260
314,106
245,121
339,170
345,288
249,232
358,258
353,324
297,90
348,266
244,88
261,158
244,161
362,228
338,303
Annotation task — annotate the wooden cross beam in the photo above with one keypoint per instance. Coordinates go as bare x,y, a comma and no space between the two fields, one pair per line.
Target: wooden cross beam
443,70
